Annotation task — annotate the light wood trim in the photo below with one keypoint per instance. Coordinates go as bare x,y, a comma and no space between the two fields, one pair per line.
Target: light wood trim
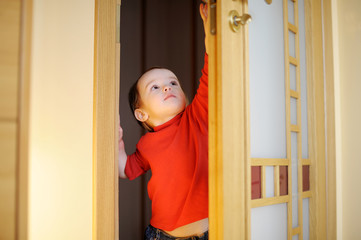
294,94
288,59
8,146
277,180
269,201
215,141
9,58
297,230
306,194
295,128
316,118
293,28
24,110
306,162
299,134
117,95
269,162
293,60
105,170
330,116
247,127
227,107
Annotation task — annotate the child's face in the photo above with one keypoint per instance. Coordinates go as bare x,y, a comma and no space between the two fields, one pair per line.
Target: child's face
161,97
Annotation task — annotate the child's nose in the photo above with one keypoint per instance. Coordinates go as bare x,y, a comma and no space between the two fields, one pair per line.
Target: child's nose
166,88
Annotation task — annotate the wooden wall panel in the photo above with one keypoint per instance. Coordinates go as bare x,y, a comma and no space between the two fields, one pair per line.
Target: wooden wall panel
9,57
7,179
105,166
9,81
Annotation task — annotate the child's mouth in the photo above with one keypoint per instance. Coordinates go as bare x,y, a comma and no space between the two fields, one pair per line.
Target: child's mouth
169,96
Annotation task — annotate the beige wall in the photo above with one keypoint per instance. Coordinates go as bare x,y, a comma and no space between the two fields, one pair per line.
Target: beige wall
61,113
348,116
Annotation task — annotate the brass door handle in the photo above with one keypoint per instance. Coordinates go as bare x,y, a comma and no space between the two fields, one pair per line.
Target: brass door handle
235,21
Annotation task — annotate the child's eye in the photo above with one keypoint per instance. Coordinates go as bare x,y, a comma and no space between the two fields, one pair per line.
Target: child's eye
154,87
174,83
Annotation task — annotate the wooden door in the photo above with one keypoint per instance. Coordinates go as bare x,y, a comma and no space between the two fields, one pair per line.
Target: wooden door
15,28
267,144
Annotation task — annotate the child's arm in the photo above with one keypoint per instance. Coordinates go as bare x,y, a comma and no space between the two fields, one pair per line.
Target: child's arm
122,155
203,9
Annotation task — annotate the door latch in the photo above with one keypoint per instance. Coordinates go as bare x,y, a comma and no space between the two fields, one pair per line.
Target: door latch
235,21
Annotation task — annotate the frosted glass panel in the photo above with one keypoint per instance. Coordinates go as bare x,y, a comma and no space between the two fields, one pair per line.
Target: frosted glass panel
292,43
267,81
293,111
294,211
291,12
270,186
294,152
303,77
306,219
295,237
293,77
269,222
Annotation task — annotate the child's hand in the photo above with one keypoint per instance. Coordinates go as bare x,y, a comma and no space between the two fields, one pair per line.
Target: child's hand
122,155
203,9
120,139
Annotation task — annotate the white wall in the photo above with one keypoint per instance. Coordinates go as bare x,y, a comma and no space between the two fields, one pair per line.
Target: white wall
348,108
61,115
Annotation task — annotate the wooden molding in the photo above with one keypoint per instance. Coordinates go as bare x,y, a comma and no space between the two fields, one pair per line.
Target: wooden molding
316,119
330,118
105,122
22,230
229,171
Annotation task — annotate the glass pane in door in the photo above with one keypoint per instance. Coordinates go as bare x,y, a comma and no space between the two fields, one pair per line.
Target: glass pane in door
273,220
267,85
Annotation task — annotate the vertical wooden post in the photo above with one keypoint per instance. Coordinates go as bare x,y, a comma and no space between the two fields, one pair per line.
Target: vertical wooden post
228,131
316,119
329,32
106,84
24,111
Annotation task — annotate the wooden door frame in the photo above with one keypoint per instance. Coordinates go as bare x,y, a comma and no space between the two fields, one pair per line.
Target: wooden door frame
229,176
329,48
105,120
22,198
316,118
229,194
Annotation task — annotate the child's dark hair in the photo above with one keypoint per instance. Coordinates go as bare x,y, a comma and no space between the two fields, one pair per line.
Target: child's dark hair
134,99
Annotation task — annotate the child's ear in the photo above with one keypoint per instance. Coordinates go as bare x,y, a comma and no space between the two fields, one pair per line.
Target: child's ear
141,115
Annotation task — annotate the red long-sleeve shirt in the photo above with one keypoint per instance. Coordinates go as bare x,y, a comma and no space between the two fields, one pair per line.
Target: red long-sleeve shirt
177,154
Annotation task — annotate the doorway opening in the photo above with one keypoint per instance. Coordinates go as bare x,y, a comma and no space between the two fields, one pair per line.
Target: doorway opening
153,33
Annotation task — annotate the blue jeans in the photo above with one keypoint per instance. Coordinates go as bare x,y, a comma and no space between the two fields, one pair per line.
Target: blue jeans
152,233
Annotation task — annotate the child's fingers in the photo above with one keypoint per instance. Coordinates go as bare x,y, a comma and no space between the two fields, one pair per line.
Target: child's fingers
205,10
201,7
120,132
